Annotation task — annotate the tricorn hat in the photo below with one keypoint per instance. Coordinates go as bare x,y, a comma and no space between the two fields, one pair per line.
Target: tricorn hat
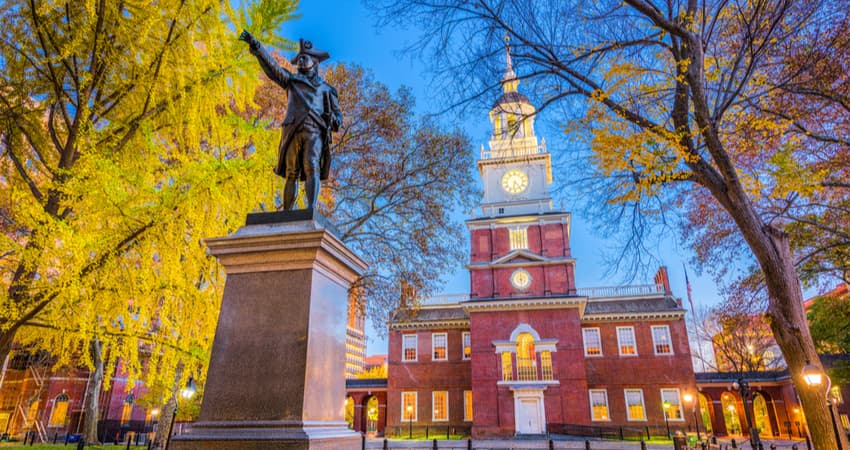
306,47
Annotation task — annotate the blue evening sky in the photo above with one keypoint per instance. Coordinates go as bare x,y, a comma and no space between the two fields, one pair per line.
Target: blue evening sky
346,29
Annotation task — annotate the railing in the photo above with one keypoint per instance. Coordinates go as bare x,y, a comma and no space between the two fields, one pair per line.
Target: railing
621,291
512,152
445,299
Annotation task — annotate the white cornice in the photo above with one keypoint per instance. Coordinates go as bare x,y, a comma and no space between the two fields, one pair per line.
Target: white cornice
496,264
513,304
624,316
431,324
509,221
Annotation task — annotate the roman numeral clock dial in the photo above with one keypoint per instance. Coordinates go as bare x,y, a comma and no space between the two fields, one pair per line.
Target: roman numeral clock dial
514,181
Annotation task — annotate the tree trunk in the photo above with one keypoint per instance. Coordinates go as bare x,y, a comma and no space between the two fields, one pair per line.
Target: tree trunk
167,416
92,411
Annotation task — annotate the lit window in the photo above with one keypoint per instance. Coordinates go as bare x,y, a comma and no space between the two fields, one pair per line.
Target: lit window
599,405
519,238
526,360
835,392
467,406
661,340
408,347
671,404
440,406
592,342
127,410
408,406
634,404
845,421
546,364
467,345
438,347
60,411
626,341
507,367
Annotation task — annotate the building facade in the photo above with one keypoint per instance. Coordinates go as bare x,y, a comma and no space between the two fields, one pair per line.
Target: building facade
526,352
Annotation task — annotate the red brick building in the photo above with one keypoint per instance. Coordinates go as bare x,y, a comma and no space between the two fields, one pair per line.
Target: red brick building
527,352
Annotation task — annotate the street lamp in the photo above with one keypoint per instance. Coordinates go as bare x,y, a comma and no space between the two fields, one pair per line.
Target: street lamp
743,388
814,377
688,397
187,393
410,421
665,406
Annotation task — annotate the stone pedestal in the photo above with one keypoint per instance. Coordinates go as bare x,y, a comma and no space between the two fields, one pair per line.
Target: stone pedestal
276,378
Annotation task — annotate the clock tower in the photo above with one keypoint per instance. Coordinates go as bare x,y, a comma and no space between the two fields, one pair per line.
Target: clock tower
520,243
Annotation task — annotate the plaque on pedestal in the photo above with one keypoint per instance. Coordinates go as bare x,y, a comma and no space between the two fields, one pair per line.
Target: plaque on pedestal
276,376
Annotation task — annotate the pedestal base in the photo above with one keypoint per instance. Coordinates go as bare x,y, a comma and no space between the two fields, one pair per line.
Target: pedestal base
266,435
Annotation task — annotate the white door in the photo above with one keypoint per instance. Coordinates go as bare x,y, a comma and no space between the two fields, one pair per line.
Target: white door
529,417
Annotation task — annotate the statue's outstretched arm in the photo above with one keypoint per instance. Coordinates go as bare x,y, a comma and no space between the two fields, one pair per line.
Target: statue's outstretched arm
272,69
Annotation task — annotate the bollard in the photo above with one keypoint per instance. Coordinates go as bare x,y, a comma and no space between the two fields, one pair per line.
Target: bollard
128,441
551,445
435,444
642,444
362,442
586,445
81,444
772,446
621,434
385,443
734,444
808,442
469,444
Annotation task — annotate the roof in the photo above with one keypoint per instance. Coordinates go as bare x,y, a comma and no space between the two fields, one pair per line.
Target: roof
730,377
362,383
511,97
634,305
375,360
429,314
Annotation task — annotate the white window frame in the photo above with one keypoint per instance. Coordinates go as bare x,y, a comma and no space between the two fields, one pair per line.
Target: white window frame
467,405
518,238
642,404
415,407
434,346
404,347
434,406
604,392
666,328
620,343
679,404
584,341
466,336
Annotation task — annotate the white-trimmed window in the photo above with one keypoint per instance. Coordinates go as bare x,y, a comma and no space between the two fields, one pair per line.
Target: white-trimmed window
599,405
440,406
672,404
546,365
439,347
661,341
635,409
408,347
626,341
467,344
518,238
592,341
408,406
467,406
507,367
127,410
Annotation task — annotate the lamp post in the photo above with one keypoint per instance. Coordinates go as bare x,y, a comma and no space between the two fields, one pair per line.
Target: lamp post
688,397
187,392
666,406
814,377
743,388
410,421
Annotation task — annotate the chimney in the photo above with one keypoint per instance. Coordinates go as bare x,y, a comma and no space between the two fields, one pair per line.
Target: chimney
662,279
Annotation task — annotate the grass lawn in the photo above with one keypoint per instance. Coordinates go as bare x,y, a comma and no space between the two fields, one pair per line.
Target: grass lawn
15,445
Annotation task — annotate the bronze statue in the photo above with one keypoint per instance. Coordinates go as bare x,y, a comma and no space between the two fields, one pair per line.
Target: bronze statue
312,113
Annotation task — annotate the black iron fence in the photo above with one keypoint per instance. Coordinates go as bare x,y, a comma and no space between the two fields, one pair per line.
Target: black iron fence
429,431
612,432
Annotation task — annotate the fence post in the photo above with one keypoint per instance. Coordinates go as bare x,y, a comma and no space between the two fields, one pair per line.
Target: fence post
772,446
808,442
435,444
385,443
66,438
81,444
551,445
642,444
362,442
448,435
734,444
586,445
648,436
469,444
794,447
55,437
426,433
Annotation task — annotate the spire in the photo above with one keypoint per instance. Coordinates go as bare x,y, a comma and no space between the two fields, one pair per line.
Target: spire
509,80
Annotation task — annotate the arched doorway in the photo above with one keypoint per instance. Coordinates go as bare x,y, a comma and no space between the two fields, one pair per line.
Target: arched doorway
761,415
349,412
371,412
730,414
706,413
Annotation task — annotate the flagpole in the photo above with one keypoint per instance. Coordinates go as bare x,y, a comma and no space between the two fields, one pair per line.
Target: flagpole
694,317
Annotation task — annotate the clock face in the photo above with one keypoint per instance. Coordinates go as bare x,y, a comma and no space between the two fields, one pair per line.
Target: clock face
521,279
514,181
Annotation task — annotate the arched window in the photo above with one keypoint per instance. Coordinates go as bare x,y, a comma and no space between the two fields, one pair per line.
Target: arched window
526,360
127,410
60,411
706,414
760,414
349,412
730,414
